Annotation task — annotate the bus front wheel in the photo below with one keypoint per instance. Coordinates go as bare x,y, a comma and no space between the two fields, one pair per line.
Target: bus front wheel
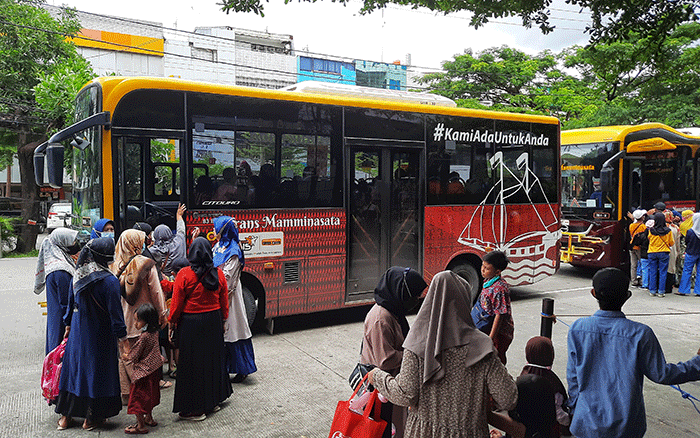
467,271
254,308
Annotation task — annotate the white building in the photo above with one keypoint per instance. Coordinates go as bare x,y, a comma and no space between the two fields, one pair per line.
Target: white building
121,46
222,55
242,57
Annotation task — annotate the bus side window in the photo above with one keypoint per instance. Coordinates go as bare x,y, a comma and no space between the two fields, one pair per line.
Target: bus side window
306,162
165,162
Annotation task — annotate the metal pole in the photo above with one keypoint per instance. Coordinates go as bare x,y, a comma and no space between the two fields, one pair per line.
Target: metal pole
547,321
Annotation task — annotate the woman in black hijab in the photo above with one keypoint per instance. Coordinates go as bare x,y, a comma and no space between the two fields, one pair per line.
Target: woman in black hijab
386,328
146,228
198,309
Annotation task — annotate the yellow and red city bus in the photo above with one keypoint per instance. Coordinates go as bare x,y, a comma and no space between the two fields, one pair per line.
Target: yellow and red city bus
328,188
645,164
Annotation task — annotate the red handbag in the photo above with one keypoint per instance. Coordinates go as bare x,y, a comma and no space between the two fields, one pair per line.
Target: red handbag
51,372
350,424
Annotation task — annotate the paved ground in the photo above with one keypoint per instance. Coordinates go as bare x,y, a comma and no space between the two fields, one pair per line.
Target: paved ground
303,367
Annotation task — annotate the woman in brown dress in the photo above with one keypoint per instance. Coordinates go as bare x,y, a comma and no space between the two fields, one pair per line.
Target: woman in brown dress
138,278
386,328
450,369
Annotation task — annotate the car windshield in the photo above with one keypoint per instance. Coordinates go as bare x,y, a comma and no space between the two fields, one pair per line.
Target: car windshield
63,208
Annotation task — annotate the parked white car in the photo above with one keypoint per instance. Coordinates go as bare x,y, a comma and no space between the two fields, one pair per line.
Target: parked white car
59,215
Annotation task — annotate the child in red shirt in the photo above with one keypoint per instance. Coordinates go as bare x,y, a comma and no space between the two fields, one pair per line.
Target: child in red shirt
495,300
147,361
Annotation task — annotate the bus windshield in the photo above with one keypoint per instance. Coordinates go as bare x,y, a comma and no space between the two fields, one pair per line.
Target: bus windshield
580,175
87,163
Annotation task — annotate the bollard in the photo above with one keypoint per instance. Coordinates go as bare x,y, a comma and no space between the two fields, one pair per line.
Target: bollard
547,321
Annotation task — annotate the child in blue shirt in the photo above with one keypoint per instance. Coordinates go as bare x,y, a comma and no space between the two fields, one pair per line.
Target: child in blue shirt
606,351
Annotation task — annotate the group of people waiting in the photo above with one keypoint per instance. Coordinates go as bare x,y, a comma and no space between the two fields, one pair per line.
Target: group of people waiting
452,375
665,250
117,303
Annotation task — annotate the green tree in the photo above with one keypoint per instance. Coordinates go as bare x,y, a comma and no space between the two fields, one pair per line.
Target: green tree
642,79
611,20
55,95
32,43
506,79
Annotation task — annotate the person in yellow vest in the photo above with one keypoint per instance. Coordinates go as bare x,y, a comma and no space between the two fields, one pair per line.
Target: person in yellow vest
660,242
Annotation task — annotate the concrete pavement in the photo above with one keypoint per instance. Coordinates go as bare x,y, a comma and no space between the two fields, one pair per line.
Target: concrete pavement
303,368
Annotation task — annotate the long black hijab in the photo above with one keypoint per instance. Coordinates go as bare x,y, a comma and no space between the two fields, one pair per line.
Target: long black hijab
398,291
660,228
202,263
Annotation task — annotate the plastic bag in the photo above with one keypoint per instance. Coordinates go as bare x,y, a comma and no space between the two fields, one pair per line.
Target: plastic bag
51,372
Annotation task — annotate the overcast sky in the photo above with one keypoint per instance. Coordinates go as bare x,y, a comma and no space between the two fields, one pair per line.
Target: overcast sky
330,28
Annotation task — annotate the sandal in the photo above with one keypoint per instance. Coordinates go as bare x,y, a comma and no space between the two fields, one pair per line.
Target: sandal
193,417
91,426
165,384
173,373
133,429
64,426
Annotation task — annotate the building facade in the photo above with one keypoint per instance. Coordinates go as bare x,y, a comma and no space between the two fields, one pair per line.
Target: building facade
325,70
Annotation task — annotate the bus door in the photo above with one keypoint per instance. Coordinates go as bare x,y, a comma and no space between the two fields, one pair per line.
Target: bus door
635,183
149,179
385,218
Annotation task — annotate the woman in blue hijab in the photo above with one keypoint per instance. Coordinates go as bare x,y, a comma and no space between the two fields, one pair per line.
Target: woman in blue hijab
239,356
102,228
89,384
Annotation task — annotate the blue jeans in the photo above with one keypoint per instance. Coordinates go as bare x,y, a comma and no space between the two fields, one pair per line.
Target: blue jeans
644,263
658,268
691,261
640,269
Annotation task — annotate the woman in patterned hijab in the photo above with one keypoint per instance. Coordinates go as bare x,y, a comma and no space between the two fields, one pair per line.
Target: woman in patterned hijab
54,272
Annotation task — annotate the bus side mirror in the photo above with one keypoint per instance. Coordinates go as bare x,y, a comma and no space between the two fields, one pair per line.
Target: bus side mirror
607,183
39,169
54,164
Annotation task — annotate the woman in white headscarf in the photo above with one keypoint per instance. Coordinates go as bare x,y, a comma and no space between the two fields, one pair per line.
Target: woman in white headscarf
449,369
54,271
692,258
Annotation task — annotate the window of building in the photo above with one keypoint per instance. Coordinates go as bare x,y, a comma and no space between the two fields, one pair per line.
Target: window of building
203,54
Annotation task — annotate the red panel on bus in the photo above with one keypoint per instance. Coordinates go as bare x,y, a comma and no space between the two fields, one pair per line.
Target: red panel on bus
298,255
528,234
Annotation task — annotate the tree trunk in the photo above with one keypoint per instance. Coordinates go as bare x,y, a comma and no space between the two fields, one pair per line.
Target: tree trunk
30,194
8,184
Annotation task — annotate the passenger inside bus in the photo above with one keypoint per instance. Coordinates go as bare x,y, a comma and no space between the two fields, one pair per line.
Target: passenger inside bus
203,190
266,186
597,194
227,190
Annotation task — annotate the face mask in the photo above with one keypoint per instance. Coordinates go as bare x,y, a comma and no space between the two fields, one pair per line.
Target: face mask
108,234
144,248
73,249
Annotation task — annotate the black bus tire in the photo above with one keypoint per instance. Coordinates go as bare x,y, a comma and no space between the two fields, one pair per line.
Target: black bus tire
254,309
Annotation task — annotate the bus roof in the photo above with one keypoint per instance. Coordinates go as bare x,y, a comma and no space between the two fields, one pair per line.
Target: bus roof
115,87
601,134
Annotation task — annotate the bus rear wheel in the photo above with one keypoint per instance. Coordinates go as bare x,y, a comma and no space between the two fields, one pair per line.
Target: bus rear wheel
467,271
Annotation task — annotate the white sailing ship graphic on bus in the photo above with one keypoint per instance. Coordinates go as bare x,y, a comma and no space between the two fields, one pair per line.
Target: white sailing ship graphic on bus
487,229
